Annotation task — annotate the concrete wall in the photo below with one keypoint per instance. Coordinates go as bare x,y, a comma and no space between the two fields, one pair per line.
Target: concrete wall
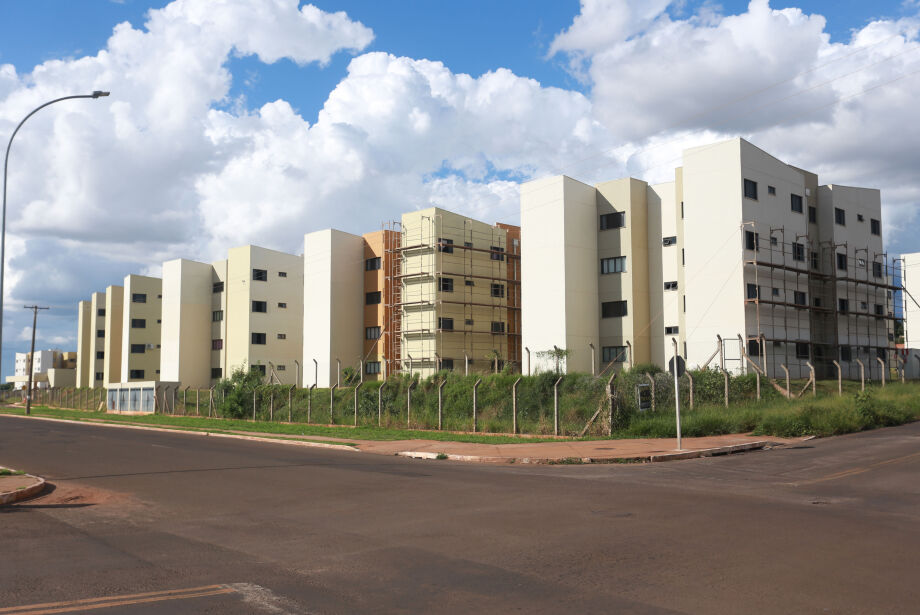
185,353
114,319
97,347
911,299
85,333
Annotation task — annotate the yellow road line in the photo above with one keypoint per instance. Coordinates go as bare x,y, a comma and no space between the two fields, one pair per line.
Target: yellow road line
86,604
855,471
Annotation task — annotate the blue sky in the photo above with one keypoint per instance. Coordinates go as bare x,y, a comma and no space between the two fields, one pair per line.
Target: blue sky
183,154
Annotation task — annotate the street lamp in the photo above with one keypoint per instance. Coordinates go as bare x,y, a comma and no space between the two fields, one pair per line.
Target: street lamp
6,161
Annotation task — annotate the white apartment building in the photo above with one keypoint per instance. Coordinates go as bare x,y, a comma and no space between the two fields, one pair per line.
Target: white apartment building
739,243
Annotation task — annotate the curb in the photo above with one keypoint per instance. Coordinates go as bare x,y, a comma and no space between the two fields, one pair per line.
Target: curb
9,497
279,440
706,452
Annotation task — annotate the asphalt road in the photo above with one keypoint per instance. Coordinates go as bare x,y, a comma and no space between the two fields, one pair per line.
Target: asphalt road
148,522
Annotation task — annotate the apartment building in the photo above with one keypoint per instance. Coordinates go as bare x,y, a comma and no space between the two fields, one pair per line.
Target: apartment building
739,243
141,325
50,368
911,298
243,311
95,356
85,323
115,335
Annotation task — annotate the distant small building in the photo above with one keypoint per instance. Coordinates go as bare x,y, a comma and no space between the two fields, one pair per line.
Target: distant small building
49,369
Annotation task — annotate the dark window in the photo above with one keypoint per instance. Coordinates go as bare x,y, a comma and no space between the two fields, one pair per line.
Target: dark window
845,353
217,372
217,315
681,210
282,336
258,338
671,330
372,333
469,282
683,258
775,292
841,262
796,202
372,298
217,344
613,309
445,245
100,375
281,368
876,269
258,368
875,227
774,241
372,264
751,240
447,364
100,312
282,305
615,220
801,350
136,374
467,244
817,301
750,189
498,290
669,241
840,216
100,332
843,305
616,264
496,253
498,327
218,287
753,292
771,190
753,348
670,285
260,275
814,260
812,214
100,354
798,252
468,322
138,323
138,298
799,298
446,285
138,348
446,324
881,353
259,306
879,309
613,354
282,274
372,367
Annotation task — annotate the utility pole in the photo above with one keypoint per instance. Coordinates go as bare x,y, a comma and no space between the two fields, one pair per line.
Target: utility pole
35,310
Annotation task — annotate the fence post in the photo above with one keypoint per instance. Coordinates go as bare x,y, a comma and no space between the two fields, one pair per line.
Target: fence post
475,400
310,403
357,386
271,403
651,382
839,378
610,399
210,400
409,403
514,426
882,369
690,378
380,403
725,375
197,402
291,403
331,402
441,403
593,359
174,400
254,403
629,352
184,401
788,389
811,368
556,406
902,368
862,375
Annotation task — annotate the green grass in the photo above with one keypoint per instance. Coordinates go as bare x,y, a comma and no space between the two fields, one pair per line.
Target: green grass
8,472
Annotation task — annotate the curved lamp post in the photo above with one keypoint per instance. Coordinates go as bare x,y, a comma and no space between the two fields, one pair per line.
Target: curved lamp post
6,160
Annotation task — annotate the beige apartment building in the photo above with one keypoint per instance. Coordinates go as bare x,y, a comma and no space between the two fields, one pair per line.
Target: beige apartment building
115,334
739,243
141,325
95,356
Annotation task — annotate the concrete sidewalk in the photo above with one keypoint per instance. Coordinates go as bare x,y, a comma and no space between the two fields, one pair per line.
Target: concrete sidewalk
16,487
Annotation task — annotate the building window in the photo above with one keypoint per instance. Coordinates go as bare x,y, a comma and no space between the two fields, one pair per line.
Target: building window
799,298
498,327
498,290
446,285
258,338
671,330
100,312
879,309
669,241
218,287
372,333
372,367
798,252
771,190
468,282
750,189
217,315
613,309
683,258
282,336
159,321
260,275
681,210
796,203
138,297
615,220
282,274
217,372
447,364
100,354
260,306
100,332
670,285
138,348
840,216
372,298
816,301
138,323
613,354
753,348
843,305
100,375
881,353
751,240
845,353
372,264
801,350
467,244
446,324
136,374
468,322
775,292
281,368
616,264
217,344
445,245
876,269
753,292
258,368
774,241
841,262
496,253
814,260
875,227
812,214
